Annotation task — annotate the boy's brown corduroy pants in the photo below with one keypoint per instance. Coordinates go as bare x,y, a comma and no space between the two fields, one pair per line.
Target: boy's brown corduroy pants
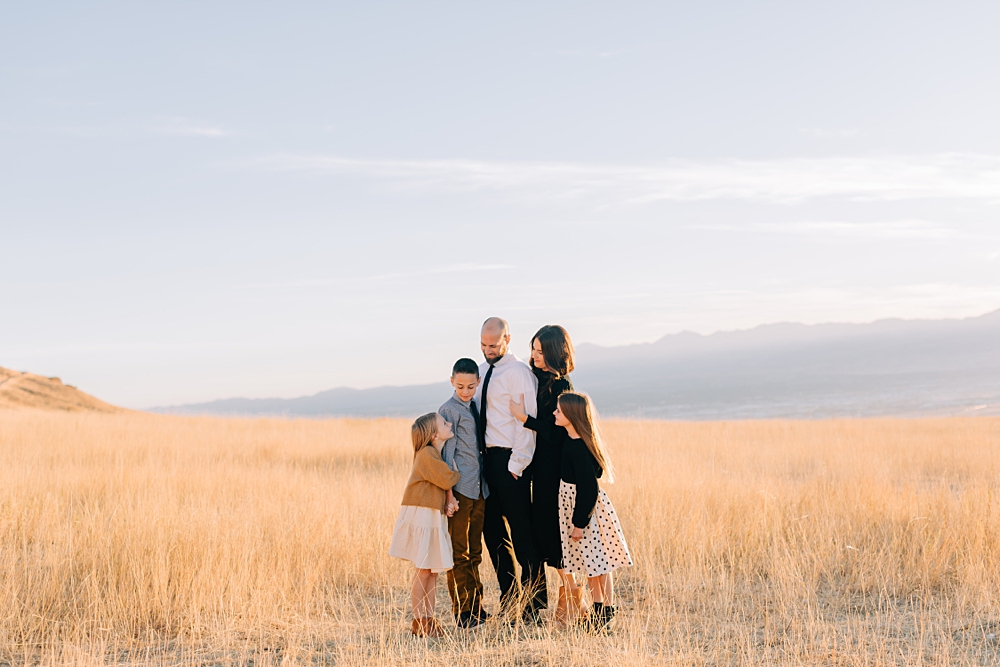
466,528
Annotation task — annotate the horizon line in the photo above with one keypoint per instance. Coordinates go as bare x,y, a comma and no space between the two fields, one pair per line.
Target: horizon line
584,344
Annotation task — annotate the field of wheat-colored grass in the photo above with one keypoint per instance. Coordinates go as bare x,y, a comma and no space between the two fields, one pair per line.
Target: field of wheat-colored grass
142,539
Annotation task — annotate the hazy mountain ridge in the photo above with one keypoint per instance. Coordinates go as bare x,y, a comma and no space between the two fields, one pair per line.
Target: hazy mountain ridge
888,367
343,401
800,335
795,370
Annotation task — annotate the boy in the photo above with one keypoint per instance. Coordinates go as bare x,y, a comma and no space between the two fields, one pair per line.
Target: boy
464,453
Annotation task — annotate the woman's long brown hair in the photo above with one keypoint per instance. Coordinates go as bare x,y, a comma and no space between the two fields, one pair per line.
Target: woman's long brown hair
557,348
423,431
579,410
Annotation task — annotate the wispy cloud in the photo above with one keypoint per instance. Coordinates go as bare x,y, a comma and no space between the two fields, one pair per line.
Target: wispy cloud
894,229
438,270
614,53
178,126
53,70
589,53
789,180
826,133
76,131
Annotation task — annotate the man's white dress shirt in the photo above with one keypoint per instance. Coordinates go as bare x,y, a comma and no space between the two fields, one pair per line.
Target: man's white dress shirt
511,378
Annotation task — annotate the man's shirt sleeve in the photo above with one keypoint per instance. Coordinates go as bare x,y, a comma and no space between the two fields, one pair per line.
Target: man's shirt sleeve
523,449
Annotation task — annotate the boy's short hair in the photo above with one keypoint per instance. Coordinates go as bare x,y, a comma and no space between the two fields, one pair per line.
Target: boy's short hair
465,366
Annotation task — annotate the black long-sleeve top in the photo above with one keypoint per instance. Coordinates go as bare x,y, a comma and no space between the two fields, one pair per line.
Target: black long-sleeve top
546,467
581,468
549,390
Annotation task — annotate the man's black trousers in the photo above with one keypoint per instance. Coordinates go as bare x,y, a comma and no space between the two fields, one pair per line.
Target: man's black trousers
510,499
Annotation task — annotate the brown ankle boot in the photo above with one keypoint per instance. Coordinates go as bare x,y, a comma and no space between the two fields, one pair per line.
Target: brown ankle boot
561,615
577,608
434,628
426,627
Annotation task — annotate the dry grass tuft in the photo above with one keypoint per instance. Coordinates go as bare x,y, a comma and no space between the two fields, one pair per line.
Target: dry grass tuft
144,539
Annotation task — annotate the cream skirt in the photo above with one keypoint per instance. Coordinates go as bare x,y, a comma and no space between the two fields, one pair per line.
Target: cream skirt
603,546
421,537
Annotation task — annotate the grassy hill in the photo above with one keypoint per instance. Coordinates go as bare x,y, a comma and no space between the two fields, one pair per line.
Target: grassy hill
20,389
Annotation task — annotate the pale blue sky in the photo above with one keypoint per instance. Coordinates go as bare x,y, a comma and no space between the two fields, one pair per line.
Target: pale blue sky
205,199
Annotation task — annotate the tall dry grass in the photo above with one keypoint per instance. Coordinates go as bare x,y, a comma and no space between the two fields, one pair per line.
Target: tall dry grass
146,539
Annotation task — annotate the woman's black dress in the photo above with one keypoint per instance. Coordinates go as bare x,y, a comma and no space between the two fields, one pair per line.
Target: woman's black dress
546,466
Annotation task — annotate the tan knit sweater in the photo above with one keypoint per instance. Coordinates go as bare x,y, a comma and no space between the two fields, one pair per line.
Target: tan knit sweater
430,480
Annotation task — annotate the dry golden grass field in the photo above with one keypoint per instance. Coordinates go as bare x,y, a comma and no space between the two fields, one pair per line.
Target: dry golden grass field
131,538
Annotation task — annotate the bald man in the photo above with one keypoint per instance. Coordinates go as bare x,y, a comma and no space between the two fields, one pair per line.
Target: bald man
509,450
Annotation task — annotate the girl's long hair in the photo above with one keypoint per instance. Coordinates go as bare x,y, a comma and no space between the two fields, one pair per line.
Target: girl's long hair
423,431
579,410
557,348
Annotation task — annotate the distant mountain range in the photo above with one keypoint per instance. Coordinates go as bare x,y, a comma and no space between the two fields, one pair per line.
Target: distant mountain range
888,367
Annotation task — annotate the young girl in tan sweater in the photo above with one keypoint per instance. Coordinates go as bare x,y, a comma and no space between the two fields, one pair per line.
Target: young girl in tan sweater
421,533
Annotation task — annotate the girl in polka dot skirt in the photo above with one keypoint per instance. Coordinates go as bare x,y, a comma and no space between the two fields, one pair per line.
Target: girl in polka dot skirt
592,539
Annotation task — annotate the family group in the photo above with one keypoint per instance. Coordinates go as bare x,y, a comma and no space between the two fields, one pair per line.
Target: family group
514,458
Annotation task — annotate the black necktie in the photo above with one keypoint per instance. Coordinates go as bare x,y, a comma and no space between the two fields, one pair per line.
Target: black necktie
479,436
482,413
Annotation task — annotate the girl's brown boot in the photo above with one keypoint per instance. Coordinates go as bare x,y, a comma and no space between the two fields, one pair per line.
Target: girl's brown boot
561,615
577,608
426,627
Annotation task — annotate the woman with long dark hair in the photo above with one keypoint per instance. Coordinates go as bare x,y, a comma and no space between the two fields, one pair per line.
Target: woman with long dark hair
552,362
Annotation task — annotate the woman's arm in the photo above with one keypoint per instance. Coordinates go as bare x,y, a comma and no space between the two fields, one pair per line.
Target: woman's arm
548,430
544,424
517,410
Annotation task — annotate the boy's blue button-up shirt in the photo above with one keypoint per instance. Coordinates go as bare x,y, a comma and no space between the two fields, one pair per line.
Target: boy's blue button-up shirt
461,452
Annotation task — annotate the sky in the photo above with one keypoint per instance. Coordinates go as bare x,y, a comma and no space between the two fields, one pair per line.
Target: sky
202,200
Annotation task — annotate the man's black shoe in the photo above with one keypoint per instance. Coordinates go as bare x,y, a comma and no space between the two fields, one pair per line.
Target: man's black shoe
467,621
531,617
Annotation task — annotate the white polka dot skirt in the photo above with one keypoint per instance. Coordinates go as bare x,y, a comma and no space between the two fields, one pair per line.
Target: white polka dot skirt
603,546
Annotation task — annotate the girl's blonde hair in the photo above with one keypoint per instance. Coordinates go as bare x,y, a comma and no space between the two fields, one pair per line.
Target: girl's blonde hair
423,431
579,410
